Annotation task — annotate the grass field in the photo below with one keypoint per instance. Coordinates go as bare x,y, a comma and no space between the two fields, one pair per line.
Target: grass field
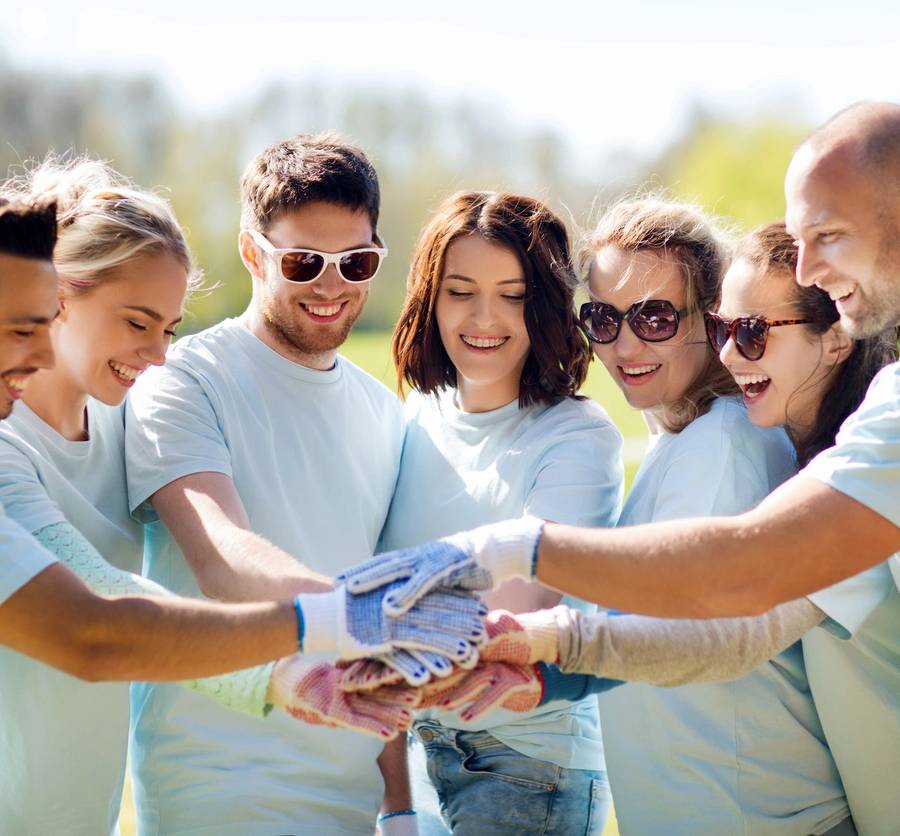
371,351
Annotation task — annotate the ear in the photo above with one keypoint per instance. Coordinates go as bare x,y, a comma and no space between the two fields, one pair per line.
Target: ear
837,343
63,309
250,255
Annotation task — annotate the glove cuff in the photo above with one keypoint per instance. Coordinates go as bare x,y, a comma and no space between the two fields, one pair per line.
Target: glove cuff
508,549
542,629
323,619
287,675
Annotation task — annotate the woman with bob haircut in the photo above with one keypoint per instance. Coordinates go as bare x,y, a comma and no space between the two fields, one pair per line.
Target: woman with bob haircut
489,344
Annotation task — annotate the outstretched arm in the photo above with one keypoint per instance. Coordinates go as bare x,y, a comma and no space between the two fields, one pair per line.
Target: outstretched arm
801,538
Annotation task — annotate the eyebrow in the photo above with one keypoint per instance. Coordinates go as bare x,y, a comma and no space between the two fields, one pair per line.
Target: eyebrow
460,278
32,320
156,317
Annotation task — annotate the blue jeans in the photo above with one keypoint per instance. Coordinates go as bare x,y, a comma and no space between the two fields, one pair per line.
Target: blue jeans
484,787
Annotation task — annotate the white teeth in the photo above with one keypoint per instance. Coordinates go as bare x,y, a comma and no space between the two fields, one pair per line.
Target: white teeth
747,379
484,342
634,370
18,382
322,310
123,371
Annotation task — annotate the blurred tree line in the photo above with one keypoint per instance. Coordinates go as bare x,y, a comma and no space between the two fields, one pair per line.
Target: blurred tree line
422,150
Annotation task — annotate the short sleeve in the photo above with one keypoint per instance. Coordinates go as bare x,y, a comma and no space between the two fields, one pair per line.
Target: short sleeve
864,464
22,493
579,480
850,602
22,558
171,431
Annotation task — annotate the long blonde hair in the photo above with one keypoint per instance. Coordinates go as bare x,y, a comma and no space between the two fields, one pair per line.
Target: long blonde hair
103,221
684,234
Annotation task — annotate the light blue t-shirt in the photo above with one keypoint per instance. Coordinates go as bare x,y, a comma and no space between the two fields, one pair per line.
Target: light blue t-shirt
63,741
853,659
743,757
314,456
864,463
22,558
461,470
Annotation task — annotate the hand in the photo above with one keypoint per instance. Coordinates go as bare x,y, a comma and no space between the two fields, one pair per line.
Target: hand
490,685
523,638
416,667
311,692
472,560
446,622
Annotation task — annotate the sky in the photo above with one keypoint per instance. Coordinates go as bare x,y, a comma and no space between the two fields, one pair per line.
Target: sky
609,76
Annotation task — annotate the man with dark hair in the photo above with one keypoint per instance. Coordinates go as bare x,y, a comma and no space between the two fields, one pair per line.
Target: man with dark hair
257,446
45,611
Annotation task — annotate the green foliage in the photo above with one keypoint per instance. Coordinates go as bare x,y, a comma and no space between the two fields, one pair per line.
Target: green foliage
733,169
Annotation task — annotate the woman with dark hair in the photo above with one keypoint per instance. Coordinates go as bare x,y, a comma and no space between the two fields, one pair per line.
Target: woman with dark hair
489,343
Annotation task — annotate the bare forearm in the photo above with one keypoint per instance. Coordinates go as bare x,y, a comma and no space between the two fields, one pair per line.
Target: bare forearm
207,519
671,652
803,537
394,769
55,618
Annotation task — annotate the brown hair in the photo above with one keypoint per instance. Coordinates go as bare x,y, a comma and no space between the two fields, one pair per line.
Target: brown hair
683,233
305,169
773,251
559,354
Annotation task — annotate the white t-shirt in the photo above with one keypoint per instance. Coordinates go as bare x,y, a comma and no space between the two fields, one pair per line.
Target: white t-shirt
853,660
63,741
743,757
462,470
314,456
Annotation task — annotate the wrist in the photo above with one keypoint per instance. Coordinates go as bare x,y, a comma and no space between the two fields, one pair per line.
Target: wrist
508,549
319,617
542,631
398,823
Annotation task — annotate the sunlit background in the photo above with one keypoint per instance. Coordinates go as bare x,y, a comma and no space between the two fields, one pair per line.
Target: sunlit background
571,102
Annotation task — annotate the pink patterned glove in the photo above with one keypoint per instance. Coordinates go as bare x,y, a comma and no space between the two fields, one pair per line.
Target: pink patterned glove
523,638
312,692
490,685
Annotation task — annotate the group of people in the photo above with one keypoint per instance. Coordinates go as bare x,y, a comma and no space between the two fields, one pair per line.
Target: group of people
300,575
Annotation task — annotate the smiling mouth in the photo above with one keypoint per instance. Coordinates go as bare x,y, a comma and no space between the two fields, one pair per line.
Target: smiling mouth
126,375
483,343
636,374
752,385
323,313
15,383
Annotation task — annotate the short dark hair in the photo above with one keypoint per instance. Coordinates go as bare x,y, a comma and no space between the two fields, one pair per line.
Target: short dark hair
304,169
28,228
559,354
771,249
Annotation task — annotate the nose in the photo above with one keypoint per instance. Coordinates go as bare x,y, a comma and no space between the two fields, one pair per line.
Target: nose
483,312
809,266
329,285
154,350
628,345
729,355
41,356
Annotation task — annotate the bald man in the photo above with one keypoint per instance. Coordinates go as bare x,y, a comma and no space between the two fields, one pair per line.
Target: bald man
839,516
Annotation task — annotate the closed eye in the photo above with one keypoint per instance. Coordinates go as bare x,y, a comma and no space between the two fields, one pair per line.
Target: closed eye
137,325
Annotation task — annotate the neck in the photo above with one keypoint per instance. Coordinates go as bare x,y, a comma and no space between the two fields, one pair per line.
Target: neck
475,397
256,322
59,403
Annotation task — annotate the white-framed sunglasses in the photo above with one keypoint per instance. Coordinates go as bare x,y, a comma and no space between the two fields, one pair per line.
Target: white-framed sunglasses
302,266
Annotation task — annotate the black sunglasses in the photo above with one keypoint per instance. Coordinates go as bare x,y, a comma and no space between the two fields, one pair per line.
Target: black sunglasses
653,320
748,332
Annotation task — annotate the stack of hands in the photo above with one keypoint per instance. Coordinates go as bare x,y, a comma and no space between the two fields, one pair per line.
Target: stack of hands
411,633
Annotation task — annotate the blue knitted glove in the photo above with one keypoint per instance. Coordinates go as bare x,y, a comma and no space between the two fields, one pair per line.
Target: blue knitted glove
354,626
474,560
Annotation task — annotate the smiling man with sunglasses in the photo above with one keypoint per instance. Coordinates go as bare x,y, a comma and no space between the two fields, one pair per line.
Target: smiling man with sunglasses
254,448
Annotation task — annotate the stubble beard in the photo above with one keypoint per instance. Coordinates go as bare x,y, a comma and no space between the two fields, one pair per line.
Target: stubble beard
883,300
284,323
